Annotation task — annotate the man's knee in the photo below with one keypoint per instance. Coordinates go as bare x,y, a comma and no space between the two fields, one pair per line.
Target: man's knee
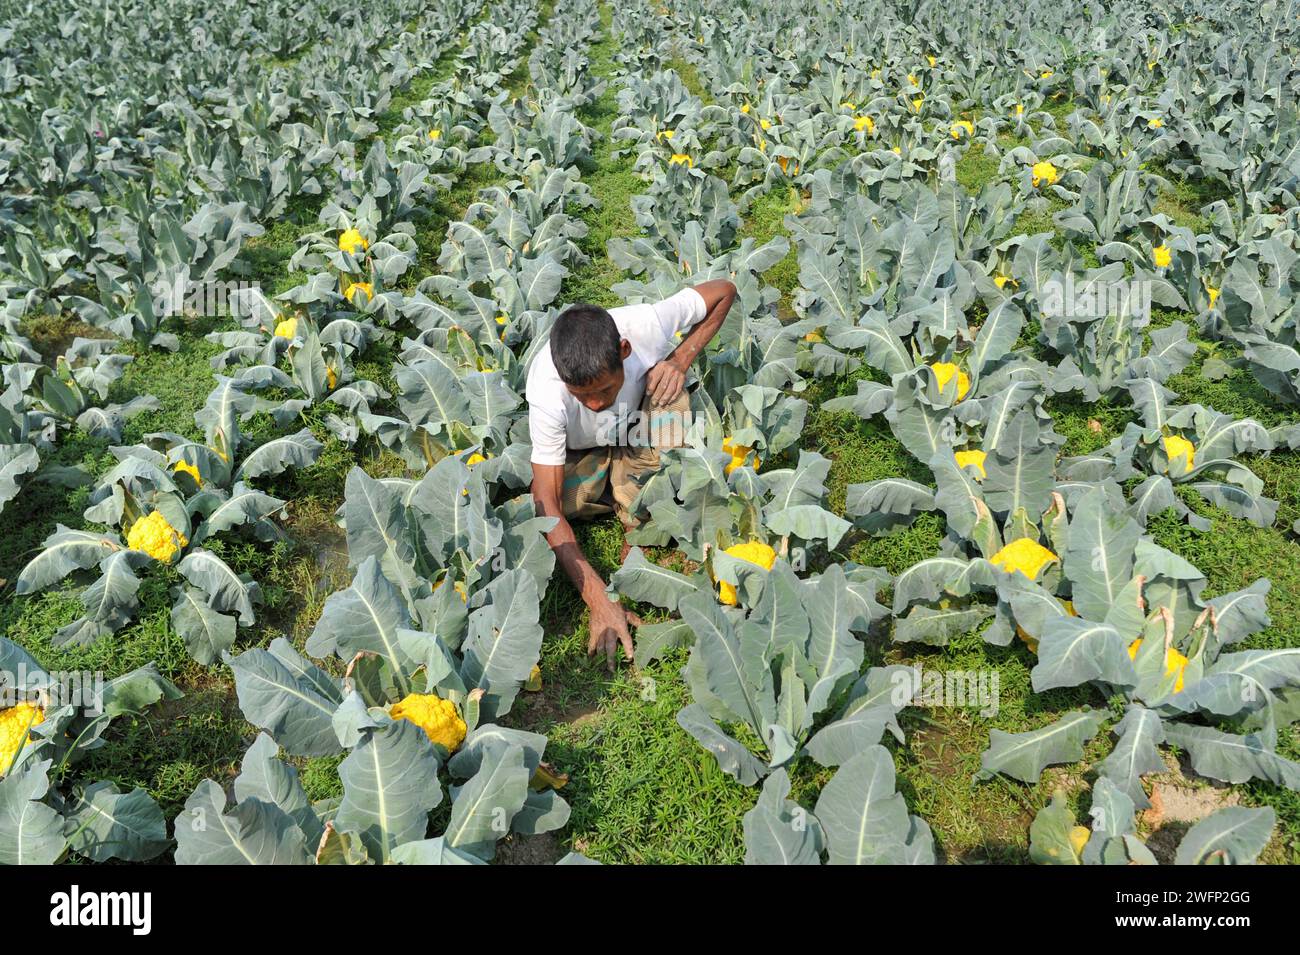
586,481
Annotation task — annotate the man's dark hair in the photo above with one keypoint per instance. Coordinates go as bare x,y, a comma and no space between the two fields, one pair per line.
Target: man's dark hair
585,345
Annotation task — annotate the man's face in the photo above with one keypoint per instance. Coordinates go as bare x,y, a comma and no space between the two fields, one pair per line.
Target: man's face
603,392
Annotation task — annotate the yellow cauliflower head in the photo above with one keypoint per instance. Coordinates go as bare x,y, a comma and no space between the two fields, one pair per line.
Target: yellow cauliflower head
1176,446
353,241
968,458
1175,662
755,552
157,538
1024,555
1044,174
350,293
436,716
184,467
944,372
14,724
739,456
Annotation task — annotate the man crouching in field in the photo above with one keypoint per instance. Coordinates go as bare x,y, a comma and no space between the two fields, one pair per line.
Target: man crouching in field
604,396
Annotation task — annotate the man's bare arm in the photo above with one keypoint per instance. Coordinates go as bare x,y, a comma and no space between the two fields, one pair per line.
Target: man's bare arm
609,620
666,379
548,487
718,295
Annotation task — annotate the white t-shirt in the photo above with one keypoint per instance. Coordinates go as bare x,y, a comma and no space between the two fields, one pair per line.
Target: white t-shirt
557,421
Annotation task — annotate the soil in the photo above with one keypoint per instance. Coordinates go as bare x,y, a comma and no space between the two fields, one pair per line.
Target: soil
1177,804
541,849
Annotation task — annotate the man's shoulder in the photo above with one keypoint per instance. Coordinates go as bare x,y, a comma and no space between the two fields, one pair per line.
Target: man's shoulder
542,384
632,314
541,365
640,325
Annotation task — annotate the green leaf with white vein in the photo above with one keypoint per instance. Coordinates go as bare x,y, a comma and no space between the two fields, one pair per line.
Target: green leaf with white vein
297,450
245,505
1024,756
833,610
1098,559
647,582
1235,835
290,698
733,758
252,833
263,775
375,518
1072,651
718,652
1232,758
365,617
228,592
483,809
935,626
808,522
655,639
31,833
63,552
861,726
114,825
504,641
432,852
779,831
1049,834
543,811
1020,472
206,633
888,504
865,819
1135,754
390,782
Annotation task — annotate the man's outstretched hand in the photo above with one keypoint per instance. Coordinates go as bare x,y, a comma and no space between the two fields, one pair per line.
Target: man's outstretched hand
609,628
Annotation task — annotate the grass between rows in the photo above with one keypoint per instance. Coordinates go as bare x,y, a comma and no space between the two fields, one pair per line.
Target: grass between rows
641,789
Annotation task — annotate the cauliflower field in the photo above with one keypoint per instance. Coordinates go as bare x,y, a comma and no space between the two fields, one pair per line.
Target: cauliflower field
983,546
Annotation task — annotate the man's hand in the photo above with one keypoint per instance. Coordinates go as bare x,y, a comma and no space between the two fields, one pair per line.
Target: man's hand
609,622
664,382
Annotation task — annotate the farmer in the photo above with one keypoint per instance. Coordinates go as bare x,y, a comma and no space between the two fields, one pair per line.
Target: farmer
604,396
